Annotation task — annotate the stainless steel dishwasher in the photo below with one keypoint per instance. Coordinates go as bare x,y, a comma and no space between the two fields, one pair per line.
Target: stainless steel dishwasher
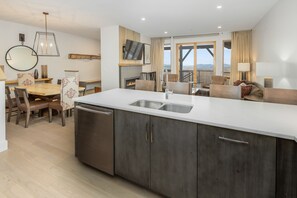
94,137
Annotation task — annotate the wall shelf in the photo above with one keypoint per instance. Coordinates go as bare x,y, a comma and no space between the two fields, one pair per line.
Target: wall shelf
84,56
129,64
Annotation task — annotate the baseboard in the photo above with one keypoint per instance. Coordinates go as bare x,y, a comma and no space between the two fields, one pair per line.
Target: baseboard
3,145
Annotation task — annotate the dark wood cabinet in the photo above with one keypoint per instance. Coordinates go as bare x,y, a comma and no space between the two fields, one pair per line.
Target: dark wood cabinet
286,178
173,157
132,148
234,164
157,153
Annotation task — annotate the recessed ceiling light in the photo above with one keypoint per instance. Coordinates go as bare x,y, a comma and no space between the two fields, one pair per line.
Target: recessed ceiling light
165,32
219,27
219,7
143,19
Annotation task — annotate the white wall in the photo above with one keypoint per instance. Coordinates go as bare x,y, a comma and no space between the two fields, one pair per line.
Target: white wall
67,43
275,41
3,141
110,57
146,40
219,39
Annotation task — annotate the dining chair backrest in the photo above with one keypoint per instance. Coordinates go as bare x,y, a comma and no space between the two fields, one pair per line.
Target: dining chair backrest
25,79
171,77
145,85
179,87
84,85
69,90
72,73
8,97
225,91
282,96
218,80
22,97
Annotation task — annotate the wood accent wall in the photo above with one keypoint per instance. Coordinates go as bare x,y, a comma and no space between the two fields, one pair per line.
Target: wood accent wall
131,35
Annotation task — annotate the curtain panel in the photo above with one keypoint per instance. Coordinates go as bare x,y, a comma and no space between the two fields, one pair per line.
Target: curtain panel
241,53
157,59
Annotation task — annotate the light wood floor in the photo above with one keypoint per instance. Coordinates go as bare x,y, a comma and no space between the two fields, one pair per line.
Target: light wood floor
40,163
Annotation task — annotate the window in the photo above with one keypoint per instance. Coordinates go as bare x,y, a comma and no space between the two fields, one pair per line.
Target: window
167,57
227,58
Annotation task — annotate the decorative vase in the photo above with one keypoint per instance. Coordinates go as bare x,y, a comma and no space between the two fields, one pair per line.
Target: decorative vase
43,71
36,74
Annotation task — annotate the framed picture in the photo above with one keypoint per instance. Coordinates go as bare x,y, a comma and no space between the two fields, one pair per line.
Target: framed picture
147,54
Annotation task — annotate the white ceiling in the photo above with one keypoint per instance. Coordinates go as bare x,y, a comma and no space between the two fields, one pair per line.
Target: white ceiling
178,17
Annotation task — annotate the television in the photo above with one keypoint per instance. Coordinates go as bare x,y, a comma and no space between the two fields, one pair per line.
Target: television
133,50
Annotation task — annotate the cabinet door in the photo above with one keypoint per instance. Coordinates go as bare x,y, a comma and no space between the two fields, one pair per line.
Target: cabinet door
286,169
234,164
174,157
132,160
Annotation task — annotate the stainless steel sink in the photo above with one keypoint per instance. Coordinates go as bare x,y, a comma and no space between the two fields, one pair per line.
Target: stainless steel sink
147,104
176,108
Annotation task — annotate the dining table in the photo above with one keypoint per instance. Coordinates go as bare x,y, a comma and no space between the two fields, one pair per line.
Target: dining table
45,89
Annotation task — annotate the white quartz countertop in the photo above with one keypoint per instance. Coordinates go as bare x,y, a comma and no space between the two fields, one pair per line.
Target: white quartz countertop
276,120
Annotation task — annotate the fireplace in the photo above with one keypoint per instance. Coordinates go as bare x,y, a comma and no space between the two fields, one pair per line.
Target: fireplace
128,76
130,82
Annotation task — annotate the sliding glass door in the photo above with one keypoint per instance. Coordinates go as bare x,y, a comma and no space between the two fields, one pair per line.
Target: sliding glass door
196,62
205,62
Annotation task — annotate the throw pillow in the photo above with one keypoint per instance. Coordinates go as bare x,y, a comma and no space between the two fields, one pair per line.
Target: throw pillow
246,90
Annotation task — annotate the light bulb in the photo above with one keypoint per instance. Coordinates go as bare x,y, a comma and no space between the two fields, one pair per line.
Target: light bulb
41,44
51,45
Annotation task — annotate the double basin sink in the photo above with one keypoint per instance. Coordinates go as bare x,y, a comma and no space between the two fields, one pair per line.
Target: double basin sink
178,108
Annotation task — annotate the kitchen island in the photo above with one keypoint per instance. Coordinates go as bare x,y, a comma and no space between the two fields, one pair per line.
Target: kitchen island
221,148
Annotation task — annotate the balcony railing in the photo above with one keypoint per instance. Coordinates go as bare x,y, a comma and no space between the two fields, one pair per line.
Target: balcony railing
203,76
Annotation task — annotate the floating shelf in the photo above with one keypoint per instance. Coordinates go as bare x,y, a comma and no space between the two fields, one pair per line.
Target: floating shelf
130,64
84,56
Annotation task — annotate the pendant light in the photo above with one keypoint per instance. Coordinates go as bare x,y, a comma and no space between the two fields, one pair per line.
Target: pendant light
45,43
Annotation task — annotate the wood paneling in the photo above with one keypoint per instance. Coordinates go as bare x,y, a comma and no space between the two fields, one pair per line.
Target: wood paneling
174,158
132,148
124,35
286,169
233,164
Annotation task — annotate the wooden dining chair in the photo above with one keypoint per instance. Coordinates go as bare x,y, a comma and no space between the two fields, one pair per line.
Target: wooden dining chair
179,87
171,77
10,103
72,73
25,79
24,105
69,90
145,85
225,91
218,80
282,96
84,85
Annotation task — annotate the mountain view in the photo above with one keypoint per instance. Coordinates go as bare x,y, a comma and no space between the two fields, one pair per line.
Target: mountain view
206,67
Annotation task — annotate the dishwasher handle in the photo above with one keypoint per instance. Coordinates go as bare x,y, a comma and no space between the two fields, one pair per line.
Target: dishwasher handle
93,111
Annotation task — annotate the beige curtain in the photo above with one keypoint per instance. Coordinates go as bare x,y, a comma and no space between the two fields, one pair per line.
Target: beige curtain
241,53
157,59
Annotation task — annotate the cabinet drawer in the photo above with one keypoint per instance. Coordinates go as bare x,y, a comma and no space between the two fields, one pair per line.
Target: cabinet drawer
235,164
